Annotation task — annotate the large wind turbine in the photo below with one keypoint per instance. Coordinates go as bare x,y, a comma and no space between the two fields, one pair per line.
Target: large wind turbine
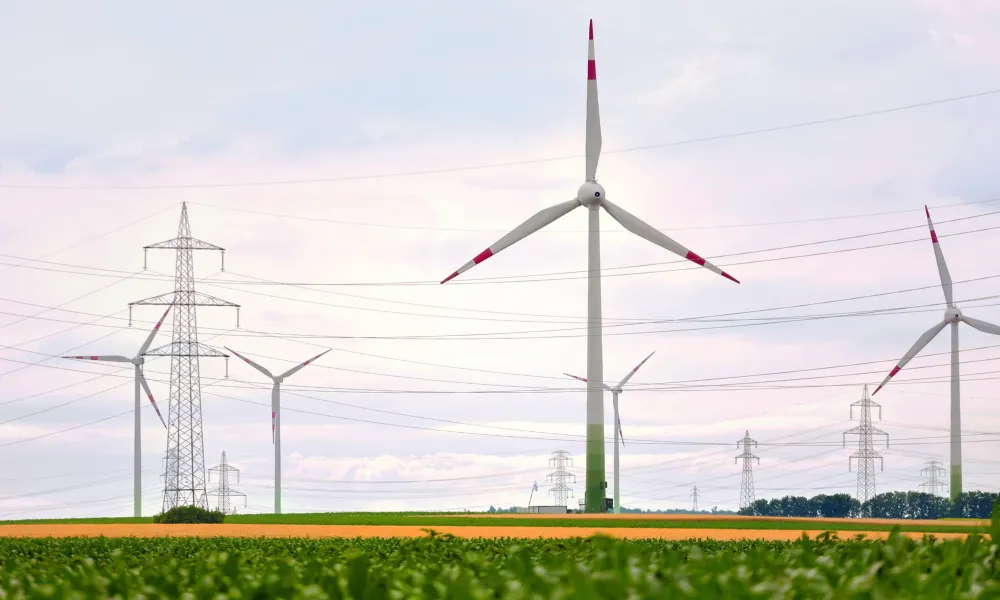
619,436
952,316
140,380
591,195
276,416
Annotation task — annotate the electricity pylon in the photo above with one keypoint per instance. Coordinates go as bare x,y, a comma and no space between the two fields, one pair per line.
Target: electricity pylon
561,477
746,482
184,484
224,492
866,455
934,473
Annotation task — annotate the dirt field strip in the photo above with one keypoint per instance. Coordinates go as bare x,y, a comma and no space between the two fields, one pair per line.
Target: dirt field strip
369,531
722,518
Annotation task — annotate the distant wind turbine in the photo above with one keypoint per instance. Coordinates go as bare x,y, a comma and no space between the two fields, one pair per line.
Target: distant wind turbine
276,416
952,316
591,195
619,436
140,380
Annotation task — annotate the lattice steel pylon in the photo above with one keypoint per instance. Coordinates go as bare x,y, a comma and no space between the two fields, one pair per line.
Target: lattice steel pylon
934,473
694,495
746,482
561,478
866,455
224,492
184,481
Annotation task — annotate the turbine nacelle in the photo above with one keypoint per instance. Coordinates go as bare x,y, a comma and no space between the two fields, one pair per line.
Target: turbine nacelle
952,315
590,194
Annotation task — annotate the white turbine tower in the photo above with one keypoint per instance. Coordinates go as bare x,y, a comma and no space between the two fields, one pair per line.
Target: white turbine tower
140,381
619,435
276,416
591,195
952,316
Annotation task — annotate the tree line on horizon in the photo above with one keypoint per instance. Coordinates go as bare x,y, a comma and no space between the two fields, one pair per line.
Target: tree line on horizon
889,505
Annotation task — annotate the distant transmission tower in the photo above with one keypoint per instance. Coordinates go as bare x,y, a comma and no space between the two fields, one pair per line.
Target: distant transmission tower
694,494
934,473
184,484
866,454
746,483
561,478
224,492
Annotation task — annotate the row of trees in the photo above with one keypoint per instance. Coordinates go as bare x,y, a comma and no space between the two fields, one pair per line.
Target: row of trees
890,505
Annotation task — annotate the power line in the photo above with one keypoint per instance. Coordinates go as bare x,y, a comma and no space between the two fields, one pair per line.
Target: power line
543,277
94,238
314,219
554,276
689,141
532,334
662,387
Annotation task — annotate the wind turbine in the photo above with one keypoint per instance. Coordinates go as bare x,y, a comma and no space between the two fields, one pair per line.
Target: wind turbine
140,381
276,416
591,195
619,436
952,316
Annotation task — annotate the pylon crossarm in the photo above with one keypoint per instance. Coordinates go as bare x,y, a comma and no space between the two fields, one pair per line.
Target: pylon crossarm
189,349
183,243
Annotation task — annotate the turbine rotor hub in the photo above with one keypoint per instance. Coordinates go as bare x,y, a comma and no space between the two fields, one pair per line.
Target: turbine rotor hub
590,194
953,315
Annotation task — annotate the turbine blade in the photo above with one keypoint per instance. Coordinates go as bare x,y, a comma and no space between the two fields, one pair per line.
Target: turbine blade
584,379
250,362
106,358
942,266
647,232
533,224
593,111
152,334
618,422
297,368
149,394
274,407
632,372
982,325
917,347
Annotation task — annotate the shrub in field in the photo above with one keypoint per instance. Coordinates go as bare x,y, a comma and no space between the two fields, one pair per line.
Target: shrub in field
189,514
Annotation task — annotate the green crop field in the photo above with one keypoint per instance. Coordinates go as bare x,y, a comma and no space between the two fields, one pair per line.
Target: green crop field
472,519
444,567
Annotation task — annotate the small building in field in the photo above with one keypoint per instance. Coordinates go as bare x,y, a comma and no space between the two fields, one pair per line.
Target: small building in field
542,510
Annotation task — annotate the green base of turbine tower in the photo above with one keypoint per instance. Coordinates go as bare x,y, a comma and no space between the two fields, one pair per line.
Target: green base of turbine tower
956,482
596,484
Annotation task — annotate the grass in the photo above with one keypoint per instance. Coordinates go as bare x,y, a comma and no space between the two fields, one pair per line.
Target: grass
472,519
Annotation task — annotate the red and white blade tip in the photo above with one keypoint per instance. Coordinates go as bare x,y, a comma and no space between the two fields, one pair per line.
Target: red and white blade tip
475,261
891,374
591,29
691,256
934,238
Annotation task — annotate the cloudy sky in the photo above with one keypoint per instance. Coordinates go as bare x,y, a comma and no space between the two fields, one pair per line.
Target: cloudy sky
349,156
